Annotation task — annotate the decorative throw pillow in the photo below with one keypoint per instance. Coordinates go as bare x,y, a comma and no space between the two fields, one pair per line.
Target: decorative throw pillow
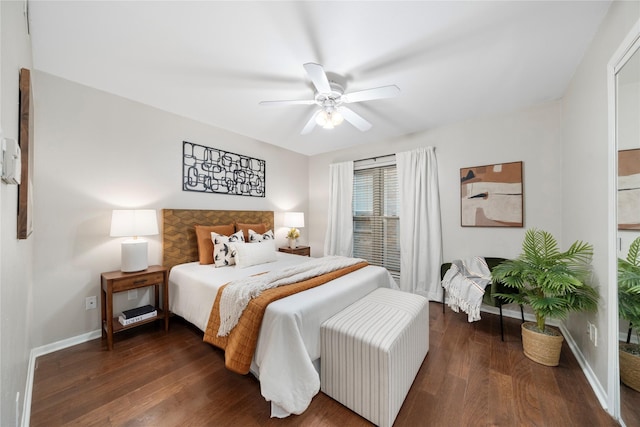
258,228
223,253
248,254
257,237
205,245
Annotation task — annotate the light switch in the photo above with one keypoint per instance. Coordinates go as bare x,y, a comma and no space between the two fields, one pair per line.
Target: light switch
11,162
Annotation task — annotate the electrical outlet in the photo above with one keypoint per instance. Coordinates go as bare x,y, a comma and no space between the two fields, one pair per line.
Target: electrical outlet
90,303
132,294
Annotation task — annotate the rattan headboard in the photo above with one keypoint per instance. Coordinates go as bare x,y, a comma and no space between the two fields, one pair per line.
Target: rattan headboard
179,244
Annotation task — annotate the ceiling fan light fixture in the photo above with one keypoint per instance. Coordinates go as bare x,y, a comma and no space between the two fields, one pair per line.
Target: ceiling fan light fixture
329,119
330,97
322,118
336,118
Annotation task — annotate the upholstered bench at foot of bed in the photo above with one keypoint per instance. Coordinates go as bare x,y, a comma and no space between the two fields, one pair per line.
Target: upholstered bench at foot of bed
372,350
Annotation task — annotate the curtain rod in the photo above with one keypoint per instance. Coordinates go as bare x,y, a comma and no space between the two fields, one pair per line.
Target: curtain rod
375,158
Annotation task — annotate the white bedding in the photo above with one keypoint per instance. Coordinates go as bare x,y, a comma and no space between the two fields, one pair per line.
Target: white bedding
289,341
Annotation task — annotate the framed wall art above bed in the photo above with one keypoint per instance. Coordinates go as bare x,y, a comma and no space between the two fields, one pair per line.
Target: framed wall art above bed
492,195
211,170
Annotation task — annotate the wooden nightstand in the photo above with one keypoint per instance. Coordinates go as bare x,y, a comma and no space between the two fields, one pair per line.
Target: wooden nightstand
117,281
300,250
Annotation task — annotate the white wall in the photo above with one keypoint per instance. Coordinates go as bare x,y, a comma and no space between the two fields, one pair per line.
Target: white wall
96,152
585,171
15,255
531,136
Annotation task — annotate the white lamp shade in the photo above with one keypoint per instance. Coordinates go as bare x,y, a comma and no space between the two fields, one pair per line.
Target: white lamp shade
134,223
294,219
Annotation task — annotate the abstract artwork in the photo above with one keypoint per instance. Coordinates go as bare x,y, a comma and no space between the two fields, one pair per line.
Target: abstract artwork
491,195
210,170
629,189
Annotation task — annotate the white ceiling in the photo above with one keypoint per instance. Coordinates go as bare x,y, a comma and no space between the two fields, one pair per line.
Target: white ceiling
214,61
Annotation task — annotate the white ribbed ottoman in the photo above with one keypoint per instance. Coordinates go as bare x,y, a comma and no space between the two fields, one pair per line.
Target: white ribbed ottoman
371,352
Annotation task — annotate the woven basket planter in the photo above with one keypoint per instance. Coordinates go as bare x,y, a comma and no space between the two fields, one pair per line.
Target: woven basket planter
542,348
629,368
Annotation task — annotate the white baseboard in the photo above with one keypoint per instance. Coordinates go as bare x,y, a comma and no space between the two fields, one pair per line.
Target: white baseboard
41,351
600,392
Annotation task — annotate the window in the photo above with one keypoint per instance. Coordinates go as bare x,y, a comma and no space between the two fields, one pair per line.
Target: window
375,217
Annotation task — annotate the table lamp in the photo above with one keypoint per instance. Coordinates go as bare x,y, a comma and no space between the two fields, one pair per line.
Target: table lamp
134,223
293,220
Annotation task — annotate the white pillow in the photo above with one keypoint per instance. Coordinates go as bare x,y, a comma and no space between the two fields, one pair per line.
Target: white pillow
257,237
223,253
247,254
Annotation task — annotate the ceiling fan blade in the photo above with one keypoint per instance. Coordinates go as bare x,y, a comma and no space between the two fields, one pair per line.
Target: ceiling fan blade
371,94
354,118
318,77
310,124
291,102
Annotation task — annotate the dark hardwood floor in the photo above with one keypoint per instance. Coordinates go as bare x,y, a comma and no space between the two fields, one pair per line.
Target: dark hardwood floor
630,405
153,378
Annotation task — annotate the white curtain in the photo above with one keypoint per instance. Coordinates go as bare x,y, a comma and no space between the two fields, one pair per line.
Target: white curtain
420,227
339,238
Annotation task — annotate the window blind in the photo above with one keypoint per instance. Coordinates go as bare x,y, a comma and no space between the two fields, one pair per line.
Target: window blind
375,217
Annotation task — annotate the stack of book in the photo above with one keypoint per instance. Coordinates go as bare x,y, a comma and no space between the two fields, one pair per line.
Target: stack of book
138,314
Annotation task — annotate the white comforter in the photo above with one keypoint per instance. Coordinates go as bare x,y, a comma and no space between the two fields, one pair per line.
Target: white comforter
289,341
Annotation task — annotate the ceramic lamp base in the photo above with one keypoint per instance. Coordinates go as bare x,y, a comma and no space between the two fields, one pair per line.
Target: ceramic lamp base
134,256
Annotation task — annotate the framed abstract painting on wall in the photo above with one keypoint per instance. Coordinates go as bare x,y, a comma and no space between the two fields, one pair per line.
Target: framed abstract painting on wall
492,195
629,189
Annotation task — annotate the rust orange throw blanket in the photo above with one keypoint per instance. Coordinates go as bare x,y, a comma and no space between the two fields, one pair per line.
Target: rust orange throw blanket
240,344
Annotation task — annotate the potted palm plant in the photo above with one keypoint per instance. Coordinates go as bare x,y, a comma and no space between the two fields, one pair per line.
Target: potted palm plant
629,309
553,284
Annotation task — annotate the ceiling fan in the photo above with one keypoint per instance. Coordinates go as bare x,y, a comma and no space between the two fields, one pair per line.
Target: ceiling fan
331,99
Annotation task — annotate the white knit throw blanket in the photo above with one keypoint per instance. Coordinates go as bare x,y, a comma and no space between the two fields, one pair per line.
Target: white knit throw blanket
465,282
237,294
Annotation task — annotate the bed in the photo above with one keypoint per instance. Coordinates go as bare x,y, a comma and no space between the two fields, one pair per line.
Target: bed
286,359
